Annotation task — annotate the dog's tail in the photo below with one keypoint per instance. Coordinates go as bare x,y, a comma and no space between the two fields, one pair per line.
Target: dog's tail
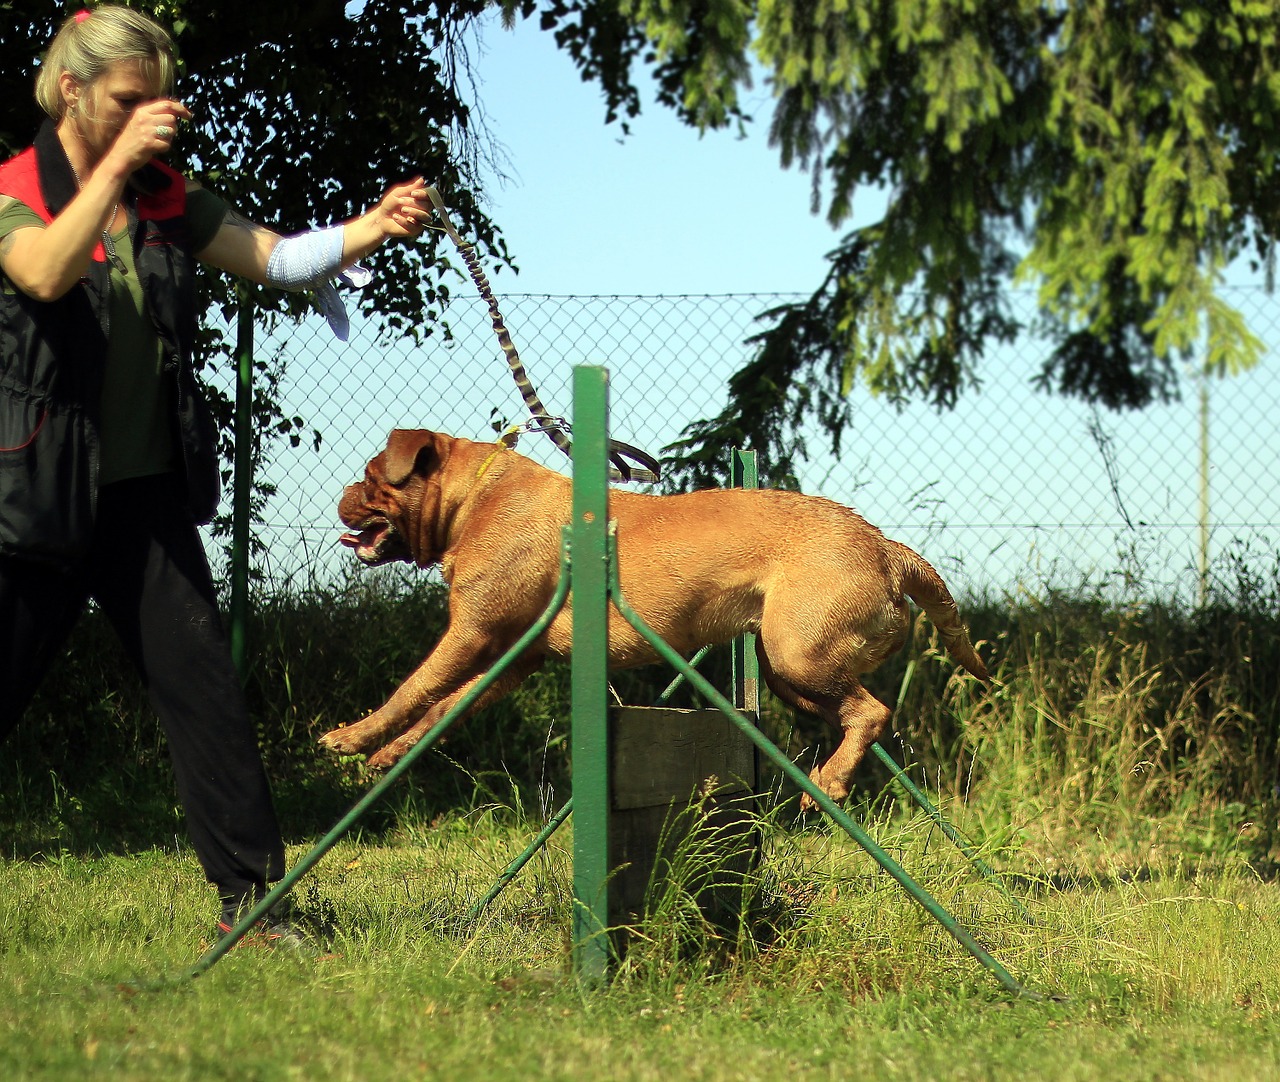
925,587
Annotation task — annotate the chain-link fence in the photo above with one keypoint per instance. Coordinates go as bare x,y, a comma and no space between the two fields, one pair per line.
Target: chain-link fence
1013,488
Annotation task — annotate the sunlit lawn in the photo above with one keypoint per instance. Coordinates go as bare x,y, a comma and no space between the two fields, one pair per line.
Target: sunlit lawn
1166,975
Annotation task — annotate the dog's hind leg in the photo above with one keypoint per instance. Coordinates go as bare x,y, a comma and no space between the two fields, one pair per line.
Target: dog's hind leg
860,716
863,719
392,753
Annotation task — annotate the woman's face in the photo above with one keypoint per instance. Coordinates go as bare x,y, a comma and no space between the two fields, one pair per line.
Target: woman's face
105,105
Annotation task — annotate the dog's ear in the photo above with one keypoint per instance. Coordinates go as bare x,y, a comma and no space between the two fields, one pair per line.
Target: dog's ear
405,447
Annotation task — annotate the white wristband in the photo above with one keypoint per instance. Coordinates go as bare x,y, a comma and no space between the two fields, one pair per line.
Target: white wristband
304,260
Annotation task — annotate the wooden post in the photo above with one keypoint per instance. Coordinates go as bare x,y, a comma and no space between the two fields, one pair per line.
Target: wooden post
673,773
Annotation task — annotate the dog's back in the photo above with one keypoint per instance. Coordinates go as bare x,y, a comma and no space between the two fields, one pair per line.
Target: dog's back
712,563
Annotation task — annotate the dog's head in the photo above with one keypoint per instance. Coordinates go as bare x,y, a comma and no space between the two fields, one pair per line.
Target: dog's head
385,512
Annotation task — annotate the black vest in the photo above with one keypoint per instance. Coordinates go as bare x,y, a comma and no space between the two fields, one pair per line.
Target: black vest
52,356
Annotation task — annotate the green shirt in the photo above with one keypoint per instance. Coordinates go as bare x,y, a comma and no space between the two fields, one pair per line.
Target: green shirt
135,422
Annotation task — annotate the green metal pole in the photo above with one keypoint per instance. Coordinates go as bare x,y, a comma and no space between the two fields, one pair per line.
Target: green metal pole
984,869
744,466
242,483
557,821
513,869
903,779
589,675
670,689
312,857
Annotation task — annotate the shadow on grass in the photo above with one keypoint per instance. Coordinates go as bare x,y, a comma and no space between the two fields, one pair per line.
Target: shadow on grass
1266,871
122,808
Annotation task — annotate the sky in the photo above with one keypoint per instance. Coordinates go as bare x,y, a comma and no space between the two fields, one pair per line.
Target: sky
661,211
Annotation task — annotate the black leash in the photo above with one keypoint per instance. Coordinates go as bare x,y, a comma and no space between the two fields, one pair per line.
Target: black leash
622,455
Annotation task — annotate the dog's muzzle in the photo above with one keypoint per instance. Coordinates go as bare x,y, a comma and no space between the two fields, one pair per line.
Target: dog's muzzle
375,540
371,534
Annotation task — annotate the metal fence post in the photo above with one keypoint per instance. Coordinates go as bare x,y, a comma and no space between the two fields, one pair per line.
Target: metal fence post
589,675
242,482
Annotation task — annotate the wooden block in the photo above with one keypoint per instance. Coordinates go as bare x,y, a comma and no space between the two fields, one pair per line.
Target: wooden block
660,755
661,759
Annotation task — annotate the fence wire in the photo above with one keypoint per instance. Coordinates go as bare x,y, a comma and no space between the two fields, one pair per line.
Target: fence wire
1013,489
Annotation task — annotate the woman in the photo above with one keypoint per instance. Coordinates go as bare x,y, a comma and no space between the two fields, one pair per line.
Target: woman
107,451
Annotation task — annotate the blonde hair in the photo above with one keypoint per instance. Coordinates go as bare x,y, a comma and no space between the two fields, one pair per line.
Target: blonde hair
89,43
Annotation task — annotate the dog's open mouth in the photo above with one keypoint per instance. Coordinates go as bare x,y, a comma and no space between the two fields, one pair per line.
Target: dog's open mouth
375,541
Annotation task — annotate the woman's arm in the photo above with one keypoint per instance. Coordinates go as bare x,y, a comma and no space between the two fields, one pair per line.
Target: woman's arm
244,248
46,261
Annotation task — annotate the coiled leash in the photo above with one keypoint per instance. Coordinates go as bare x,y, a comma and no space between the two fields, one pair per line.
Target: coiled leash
556,428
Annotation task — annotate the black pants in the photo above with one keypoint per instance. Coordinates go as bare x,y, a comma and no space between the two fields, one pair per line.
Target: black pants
148,573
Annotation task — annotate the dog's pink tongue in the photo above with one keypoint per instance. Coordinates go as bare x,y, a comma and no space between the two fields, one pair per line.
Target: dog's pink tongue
351,540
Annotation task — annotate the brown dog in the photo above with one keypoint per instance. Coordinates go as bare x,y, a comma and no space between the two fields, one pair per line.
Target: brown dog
824,591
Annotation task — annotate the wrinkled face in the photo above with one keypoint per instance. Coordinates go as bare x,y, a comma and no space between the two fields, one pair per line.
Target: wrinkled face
372,509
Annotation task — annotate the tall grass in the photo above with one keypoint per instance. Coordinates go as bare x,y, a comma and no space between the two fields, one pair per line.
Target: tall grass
1122,768
1108,717
1156,721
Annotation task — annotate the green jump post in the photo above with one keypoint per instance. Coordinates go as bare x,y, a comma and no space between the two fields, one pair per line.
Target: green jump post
746,693
242,484
589,568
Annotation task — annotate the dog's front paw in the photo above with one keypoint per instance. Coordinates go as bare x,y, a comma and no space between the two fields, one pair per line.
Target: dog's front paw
342,741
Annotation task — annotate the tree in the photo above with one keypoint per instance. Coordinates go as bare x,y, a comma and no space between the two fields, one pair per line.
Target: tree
304,113
1118,155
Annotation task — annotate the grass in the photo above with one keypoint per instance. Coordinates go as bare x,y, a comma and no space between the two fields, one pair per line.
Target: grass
1166,974
1123,770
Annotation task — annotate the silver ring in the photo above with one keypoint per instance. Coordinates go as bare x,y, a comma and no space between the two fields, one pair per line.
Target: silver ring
163,131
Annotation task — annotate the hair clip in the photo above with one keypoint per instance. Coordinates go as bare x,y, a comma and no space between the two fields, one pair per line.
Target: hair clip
82,14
